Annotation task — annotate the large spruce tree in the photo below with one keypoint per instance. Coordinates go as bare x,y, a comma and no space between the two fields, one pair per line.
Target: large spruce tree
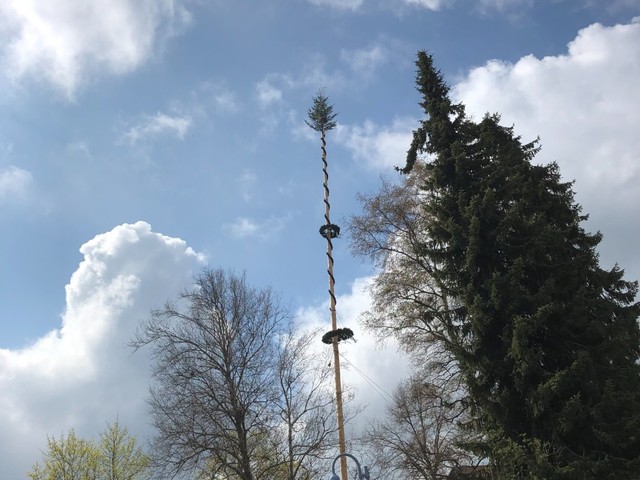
547,340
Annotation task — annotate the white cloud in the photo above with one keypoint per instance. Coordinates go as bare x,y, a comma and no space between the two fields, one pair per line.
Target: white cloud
482,5
429,4
312,76
504,5
268,93
243,227
157,125
339,4
584,107
82,374
362,63
379,147
64,41
225,100
621,4
366,60
222,99
14,183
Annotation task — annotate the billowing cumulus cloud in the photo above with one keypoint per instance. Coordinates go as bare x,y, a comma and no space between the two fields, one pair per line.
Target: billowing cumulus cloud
62,42
82,374
584,106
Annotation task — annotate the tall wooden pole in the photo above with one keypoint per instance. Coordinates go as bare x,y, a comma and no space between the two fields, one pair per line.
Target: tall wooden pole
329,233
322,119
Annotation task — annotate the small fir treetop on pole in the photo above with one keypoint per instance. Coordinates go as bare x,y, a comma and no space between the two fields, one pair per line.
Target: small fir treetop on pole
321,116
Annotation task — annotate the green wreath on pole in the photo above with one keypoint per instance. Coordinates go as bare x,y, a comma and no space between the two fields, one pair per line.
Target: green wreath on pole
341,333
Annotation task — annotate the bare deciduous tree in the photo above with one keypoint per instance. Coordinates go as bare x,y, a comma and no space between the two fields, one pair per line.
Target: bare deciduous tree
213,386
229,380
421,434
409,303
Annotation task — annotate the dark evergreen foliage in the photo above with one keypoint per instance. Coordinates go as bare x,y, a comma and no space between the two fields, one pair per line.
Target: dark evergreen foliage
321,116
547,340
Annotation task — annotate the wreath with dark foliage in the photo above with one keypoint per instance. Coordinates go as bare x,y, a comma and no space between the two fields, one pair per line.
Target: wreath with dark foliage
332,229
341,333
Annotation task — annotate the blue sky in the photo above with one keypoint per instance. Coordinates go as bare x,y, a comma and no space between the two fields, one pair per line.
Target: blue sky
142,139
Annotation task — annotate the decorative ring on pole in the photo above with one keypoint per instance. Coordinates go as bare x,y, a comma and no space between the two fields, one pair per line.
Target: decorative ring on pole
341,333
332,229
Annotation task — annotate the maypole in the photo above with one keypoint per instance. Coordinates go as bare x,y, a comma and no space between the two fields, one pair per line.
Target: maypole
322,119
